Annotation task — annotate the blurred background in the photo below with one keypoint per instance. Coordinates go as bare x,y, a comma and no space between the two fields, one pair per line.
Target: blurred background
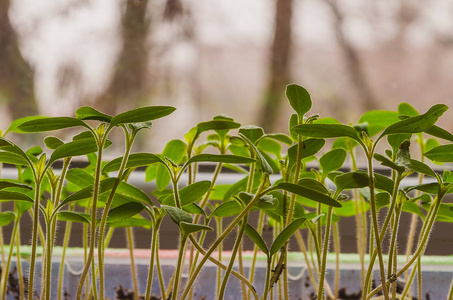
230,57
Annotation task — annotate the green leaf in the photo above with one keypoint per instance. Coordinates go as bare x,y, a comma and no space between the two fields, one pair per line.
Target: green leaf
174,150
309,148
440,133
53,142
79,177
261,159
6,218
74,148
332,160
307,193
227,209
443,153
12,158
189,194
253,133
188,227
352,180
299,99
105,185
422,168
142,114
286,233
134,160
406,109
388,163
377,120
134,192
395,140
71,216
215,125
17,122
14,196
177,215
417,124
270,146
124,212
89,113
383,183
220,158
283,138
313,184
135,221
326,131
257,239
50,123
7,183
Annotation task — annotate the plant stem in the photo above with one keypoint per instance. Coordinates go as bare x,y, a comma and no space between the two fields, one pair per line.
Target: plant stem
130,243
233,257
67,234
336,236
227,231
90,258
322,271
154,247
268,278
179,266
34,238
19,265
5,272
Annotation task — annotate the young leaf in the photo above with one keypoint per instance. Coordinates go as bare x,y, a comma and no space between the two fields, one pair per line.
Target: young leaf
227,209
188,227
299,99
253,133
326,131
440,133
215,125
352,180
135,221
286,233
262,160
142,114
6,183
377,120
189,194
71,216
12,158
283,138
89,113
134,192
220,158
6,218
134,160
106,185
53,142
443,153
50,123
406,109
177,215
307,193
74,148
417,124
81,178
332,160
124,212
16,123
174,151
14,196
388,163
422,168
257,239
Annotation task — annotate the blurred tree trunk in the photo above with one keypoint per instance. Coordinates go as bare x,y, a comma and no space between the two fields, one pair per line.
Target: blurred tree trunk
128,84
279,72
352,60
16,75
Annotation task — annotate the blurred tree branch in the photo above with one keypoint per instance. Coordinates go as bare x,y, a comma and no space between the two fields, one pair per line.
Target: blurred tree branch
279,72
352,60
16,75
128,84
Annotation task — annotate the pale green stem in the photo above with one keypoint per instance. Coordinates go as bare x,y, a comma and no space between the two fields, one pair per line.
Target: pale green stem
222,266
392,249
227,231
268,278
5,272
450,293
19,265
90,257
233,257
255,249
130,243
420,249
67,234
322,271
31,278
419,277
154,246
409,281
108,204
179,266
336,235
